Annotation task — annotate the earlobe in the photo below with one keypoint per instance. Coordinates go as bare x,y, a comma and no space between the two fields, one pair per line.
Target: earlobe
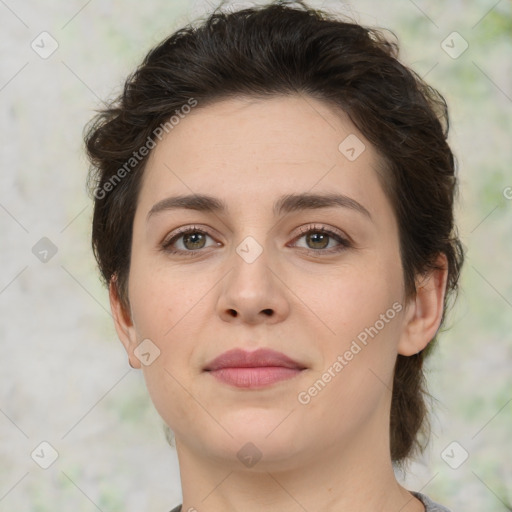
123,323
425,311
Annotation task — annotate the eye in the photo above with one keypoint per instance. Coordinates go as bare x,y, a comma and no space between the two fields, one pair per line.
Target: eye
188,240
319,239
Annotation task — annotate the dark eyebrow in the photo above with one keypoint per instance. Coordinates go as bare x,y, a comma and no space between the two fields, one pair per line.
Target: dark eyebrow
295,202
285,204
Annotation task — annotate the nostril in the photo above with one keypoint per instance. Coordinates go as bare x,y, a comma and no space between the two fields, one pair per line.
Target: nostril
268,312
232,312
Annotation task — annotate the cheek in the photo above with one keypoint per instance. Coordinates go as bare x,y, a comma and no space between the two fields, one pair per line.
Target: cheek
355,377
362,309
169,393
354,298
162,297
164,306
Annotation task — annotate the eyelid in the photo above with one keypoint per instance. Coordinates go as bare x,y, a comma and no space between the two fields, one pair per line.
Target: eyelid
187,229
179,232
344,241
312,227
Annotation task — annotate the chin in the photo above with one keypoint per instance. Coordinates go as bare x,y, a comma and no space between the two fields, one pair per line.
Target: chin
262,454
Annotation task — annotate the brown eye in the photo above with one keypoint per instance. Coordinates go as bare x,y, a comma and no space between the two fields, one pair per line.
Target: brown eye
188,241
195,240
317,240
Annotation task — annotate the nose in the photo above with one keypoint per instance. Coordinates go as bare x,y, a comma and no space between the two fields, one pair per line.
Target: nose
252,293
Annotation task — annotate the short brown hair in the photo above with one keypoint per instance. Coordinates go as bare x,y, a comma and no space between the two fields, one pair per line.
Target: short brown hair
281,49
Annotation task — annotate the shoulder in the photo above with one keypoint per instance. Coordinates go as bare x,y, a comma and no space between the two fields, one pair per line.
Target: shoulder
430,506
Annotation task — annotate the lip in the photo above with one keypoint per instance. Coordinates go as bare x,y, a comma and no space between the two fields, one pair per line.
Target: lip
263,357
259,368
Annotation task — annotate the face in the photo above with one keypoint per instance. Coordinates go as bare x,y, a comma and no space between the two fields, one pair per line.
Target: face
318,279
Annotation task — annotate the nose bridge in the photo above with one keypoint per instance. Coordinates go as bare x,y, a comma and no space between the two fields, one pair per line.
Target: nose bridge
251,291
251,275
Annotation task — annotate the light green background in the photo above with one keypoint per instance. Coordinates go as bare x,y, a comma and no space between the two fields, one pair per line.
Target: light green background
65,377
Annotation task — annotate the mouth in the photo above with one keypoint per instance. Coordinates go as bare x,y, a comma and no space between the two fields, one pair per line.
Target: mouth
260,368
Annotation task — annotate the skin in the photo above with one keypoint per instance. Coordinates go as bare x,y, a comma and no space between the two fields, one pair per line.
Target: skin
332,453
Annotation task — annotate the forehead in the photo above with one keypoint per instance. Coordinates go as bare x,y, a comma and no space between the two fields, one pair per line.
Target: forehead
255,149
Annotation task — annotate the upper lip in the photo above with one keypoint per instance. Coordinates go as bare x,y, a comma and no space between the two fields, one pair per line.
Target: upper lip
237,358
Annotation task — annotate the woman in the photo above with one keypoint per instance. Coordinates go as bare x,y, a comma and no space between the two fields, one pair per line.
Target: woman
274,219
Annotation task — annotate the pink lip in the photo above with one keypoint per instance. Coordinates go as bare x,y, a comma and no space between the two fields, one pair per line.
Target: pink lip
259,368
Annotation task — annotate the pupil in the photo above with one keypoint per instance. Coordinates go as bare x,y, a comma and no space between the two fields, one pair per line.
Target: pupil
318,240
195,239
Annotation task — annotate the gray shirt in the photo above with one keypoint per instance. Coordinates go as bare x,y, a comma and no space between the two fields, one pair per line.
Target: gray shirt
430,506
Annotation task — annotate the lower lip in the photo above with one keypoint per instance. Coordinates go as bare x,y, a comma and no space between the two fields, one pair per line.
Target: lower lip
254,377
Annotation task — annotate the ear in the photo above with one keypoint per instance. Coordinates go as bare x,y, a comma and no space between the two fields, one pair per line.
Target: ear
123,323
424,312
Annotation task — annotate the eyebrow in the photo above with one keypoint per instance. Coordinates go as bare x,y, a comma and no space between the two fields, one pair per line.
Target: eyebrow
285,204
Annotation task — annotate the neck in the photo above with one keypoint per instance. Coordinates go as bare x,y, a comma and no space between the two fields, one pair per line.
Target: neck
342,478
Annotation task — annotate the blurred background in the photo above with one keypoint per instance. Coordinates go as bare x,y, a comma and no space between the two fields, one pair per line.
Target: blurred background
77,429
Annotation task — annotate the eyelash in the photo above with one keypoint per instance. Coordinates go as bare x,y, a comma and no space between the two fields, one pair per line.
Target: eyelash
343,242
